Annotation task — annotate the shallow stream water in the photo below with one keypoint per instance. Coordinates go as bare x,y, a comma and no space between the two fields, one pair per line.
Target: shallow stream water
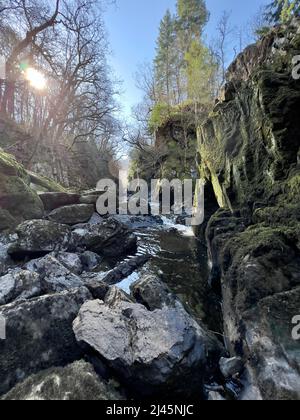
181,261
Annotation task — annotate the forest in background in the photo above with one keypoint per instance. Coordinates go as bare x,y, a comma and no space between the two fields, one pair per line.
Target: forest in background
66,43
184,82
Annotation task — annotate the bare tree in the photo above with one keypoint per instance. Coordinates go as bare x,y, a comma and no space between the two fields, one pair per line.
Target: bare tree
221,44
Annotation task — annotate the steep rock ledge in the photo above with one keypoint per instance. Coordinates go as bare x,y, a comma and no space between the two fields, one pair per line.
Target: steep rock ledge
249,149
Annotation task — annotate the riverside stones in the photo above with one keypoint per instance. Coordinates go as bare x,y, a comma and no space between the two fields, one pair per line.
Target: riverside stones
110,238
72,215
160,351
75,382
19,284
54,200
38,237
39,335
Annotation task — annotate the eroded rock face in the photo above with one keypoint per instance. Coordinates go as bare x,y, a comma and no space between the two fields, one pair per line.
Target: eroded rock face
72,215
254,241
110,238
76,382
152,352
38,237
54,200
39,335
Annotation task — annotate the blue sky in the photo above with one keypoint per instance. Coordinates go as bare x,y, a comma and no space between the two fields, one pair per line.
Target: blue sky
133,28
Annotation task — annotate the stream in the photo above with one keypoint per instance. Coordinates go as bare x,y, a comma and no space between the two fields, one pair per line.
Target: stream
180,259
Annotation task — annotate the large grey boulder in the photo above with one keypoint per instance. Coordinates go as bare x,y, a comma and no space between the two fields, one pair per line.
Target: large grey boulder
39,335
38,237
75,382
72,215
110,238
55,277
19,284
54,200
160,351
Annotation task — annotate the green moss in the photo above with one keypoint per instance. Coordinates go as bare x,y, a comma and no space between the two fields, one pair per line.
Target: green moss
46,184
293,188
258,240
10,166
17,197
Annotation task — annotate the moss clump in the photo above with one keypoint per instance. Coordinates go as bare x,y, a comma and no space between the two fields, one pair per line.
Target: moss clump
17,197
9,166
258,240
293,188
46,184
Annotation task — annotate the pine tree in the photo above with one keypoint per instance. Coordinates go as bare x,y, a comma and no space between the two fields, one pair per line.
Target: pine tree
166,60
281,11
192,17
201,70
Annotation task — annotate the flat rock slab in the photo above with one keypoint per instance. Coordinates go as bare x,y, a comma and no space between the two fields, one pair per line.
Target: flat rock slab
39,335
72,215
54,200
76,382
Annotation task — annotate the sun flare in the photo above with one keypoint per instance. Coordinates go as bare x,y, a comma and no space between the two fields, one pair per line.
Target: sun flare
35,78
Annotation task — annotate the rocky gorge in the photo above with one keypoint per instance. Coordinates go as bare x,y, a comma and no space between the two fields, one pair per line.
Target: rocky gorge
136,307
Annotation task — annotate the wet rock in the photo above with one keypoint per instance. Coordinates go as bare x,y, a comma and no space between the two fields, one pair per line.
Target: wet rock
55,276
110,238
54,200
90,261
139,222
124,270
231,367
98,289
39,335
18,285
72,215
75,382
152,352
215,396
259,268
275,357
38,237
151,292
72,262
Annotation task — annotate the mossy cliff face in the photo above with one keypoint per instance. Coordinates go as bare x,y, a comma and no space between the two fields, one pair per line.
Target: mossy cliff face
18,201
249,151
